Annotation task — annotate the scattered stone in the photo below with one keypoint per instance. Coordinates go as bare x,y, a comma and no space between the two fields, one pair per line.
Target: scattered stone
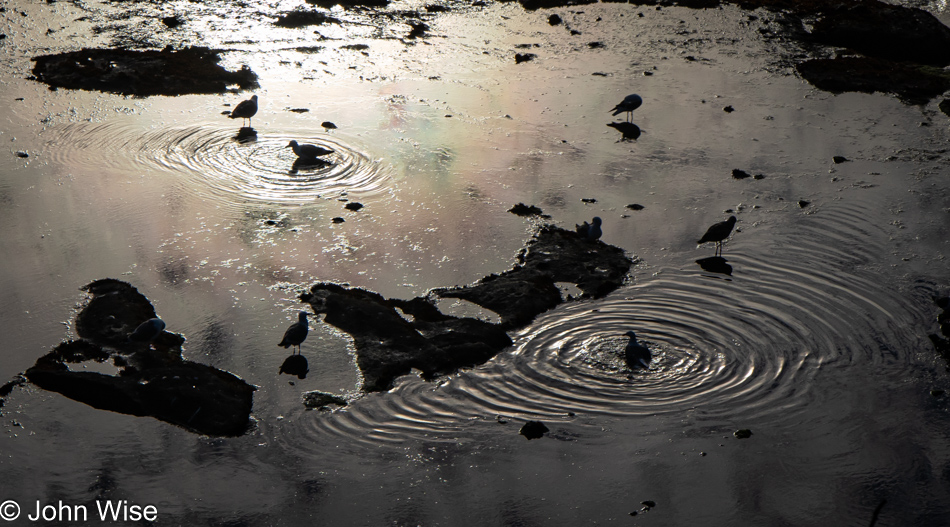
758,176
337,220
298,110
840,159
589,200
524,57
329,4
193,70
533,430
635,206
353,205
22,154
554,19
436,8
729,109
327,126
743,433
740,174
803,203
418,29
596,45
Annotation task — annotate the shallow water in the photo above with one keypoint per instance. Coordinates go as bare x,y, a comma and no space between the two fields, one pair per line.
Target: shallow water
816,341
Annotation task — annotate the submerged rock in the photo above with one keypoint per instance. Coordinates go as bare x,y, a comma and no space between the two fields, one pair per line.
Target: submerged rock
144,73
392,337
152,378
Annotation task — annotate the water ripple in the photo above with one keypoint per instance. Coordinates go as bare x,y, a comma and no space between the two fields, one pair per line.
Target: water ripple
218,165
730,350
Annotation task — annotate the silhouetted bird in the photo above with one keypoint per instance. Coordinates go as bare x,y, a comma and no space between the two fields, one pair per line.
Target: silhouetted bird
148,330
245,110
296,333
635,354
719,232
591,231
308,151
628,104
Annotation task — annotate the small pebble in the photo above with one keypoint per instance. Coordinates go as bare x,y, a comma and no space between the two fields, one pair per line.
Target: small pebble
743,433
338,220
840,159
802,203
354,206
589,200
729,109
635,206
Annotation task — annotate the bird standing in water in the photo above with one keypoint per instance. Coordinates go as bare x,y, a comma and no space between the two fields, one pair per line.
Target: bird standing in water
308,151
591,231
718,233
245,110
628,104
635,354
296,333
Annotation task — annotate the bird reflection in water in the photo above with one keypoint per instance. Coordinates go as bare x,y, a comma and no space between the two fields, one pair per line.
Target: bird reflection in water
628,131
245,135
295,365
715,264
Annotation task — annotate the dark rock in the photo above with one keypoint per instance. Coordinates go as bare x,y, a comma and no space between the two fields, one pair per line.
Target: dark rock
323,400
802,203
388,345
589,200
635,206
527,210
729,109
533,430
740,174
945,107
144,73
758,176
524,57
172,21
596,45
22,154
892,32
353,205
418,29
327,125
328,4
743,433
153,380
912,83
937,393
554,19
839,159
436,8
296,19
298,110
337,220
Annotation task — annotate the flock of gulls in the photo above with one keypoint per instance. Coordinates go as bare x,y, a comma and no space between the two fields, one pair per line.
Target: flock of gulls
636,355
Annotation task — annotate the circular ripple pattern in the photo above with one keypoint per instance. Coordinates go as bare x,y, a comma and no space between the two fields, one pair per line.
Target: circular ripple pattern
218,165
729,348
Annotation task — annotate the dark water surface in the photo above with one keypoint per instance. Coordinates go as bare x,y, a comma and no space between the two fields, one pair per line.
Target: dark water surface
816,341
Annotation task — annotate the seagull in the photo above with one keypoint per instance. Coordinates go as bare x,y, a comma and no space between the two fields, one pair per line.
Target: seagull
592,230
296,333
147,331
308,151
719,232
628,104
245,110
635,354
